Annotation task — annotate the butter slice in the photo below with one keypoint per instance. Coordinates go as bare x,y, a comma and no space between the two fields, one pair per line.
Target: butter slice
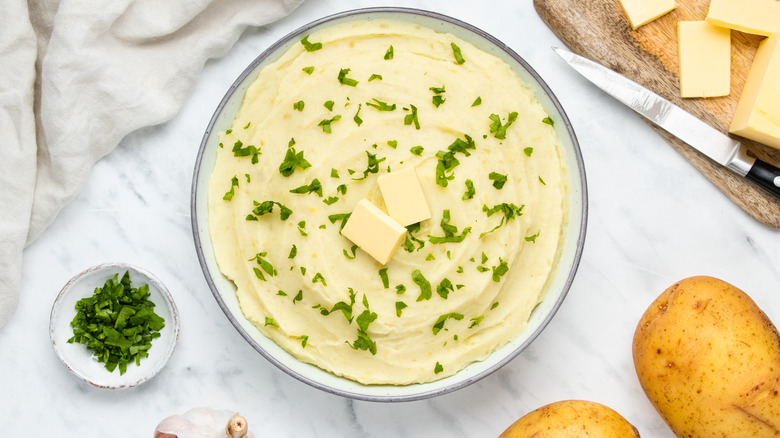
760,17
644,11
373,231
404,198
705,59
758,112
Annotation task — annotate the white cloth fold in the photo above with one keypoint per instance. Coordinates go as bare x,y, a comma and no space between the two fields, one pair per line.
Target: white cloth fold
79,75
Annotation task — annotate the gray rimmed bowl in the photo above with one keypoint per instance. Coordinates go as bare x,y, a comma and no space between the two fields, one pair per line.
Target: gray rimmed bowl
570,251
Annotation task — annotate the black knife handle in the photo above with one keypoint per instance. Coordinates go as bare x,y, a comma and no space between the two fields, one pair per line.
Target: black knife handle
765,175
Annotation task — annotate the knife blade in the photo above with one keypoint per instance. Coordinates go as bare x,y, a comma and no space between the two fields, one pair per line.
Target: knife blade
709,141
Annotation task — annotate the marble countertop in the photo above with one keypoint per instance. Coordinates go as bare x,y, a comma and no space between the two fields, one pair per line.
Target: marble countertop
653,220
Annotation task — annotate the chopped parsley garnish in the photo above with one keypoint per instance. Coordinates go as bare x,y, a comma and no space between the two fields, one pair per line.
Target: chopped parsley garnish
450,231
372,166
344,80
400,289
393,144
399,307
532,239
385,279
330,200
353,249
117,323
248,178
291,161
271,322
447,161
310,47
293,252
339,217
412,118
494,305
411,240
439,326
425,286
309,69
357,118
374,76
470,191
542,181
500,270
298,297
416,150
438,368
456,52
249,150
264,264
482,268
233,184
498,179
430,257
329,105
319,278
363,341
314,187
389,53
497,129
334,173
548,121
437,98
265,207
342,306
528,151
326,123
298,106
444,288
477,101
476,320
281,293
510,211
304,340
381,106
247,125
342,188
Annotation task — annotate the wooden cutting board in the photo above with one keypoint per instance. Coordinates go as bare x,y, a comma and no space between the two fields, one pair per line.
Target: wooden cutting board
599,30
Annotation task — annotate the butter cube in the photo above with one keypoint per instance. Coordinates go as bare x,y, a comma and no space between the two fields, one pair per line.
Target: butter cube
404,198
705,59
760,17
644,11
758,112
373,231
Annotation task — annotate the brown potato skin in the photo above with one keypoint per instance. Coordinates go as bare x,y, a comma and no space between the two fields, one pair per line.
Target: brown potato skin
709,361
571,419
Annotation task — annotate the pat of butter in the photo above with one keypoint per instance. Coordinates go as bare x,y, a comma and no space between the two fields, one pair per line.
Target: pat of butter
404,198
758,112
760,17
644,11
373,231
705,59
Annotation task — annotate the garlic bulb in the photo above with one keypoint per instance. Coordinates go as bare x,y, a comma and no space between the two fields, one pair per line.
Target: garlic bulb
203,423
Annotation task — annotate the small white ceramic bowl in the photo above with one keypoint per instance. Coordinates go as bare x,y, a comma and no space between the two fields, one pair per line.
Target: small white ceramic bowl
79,360
573,234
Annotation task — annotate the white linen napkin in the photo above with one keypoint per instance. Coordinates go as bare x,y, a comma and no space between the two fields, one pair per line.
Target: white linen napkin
79,75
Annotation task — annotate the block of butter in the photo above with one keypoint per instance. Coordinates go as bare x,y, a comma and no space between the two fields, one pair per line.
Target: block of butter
760,17
373,231
644,11
705,59
758,112
404,198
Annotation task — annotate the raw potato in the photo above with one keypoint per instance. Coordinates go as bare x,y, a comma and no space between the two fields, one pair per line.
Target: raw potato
709,360
571,419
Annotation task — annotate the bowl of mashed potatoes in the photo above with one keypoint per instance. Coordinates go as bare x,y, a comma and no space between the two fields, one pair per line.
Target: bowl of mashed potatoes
304,135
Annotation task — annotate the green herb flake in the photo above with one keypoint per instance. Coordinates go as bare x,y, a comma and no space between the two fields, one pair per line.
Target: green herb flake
425,286
333,218
532,239
342,188
344,80
291,161
483,269
247,125
271,322
458,55
444,288
117,323
476,320
281,293
393,144
329,105
528,151
385,279
500,270
484,258
499,130
375,77
264,264
356,118
411,118
334,173
233,184
310,47
314,187
400,289
498,179
330,200
249,150
309,69
381,106
494,305
293,252
450,231
353,249
325,123
430,257
438,368
399,307
416,150
298,296
509,211
298,106
447,161
470,191
477,101
372,165
266,207
304,340
389,53
319,278
409,242
439,326
548,121
301,226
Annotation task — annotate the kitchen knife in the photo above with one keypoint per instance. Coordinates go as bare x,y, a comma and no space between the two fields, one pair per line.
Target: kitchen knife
714,144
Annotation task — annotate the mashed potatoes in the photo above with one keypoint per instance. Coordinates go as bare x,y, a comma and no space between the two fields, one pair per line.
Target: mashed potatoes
315,130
